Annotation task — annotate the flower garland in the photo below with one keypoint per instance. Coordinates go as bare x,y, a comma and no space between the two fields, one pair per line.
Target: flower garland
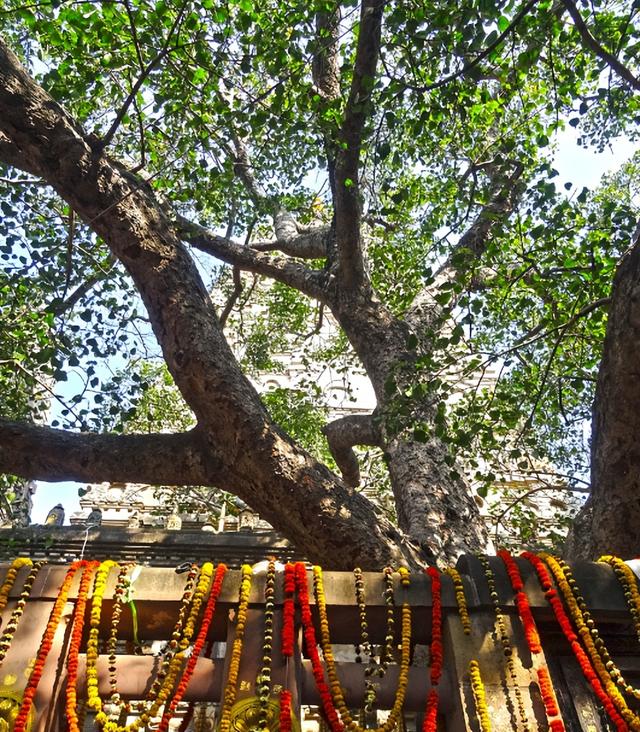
532,638
14,619
20,723
436,652
627,579
122,586
230,689
364,644
10,579
479,697
311,645
335,686
77,624
285,711
505,641
288,611
264,676
210,608
565,624
461,600
589,635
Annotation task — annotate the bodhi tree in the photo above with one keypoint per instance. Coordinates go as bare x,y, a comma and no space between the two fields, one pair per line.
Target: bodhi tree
391,162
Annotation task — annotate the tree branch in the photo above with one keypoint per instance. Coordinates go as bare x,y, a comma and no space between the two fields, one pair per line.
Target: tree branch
309,282
599,50
342,434
43,453
310,244
347,191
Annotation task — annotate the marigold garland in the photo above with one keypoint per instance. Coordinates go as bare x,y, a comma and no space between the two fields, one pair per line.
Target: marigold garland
288,611
311,645
565,625
230,689
207,617
532,638
461,600
77,624
45,646
285,711
505,642
335,686
10,579
479,697
16,615
588,633
629,582
436,651
263,681
122,586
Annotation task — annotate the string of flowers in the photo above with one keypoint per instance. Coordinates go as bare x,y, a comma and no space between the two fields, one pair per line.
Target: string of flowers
565,624
20,722
14,619
77,624
230,689
285,710
436,651
287,642
364,644
309,633
121,588
461,600
588,633
334,682
532,638
629,583
505,642
10,579
263,681
207,617
479,697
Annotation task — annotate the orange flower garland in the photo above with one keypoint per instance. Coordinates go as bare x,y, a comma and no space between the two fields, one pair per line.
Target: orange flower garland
431,711
197,647
14,619
532,638
77,624
10,579
334,682
45,646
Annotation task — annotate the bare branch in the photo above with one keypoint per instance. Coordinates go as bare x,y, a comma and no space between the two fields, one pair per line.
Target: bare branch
599,50
347,192
310,244
342,434
43,453
309,282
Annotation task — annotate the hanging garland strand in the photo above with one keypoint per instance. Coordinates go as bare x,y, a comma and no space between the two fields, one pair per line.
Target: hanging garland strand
533,640
479,697
461,600
14,619
505,642
590,637
230,689
335,686
287,642
263,681
210,609
565,624
45,646
311,645
10,579
122,586
436,652
627,579
77,624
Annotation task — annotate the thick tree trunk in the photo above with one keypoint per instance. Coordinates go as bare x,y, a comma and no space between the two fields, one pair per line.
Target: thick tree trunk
610,521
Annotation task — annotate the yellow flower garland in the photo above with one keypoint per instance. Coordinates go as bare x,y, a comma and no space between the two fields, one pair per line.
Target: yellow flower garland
230,688
461,600
629,583
334,681
585,633
479,697
10,578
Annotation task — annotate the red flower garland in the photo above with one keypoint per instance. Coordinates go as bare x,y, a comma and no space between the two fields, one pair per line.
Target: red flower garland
582,658
312,649
436,651
522,603
285,711
548,697
20,723
77,624
209,610
288,611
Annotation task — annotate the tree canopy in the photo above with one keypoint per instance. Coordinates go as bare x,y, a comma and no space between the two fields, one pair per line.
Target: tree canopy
388,162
